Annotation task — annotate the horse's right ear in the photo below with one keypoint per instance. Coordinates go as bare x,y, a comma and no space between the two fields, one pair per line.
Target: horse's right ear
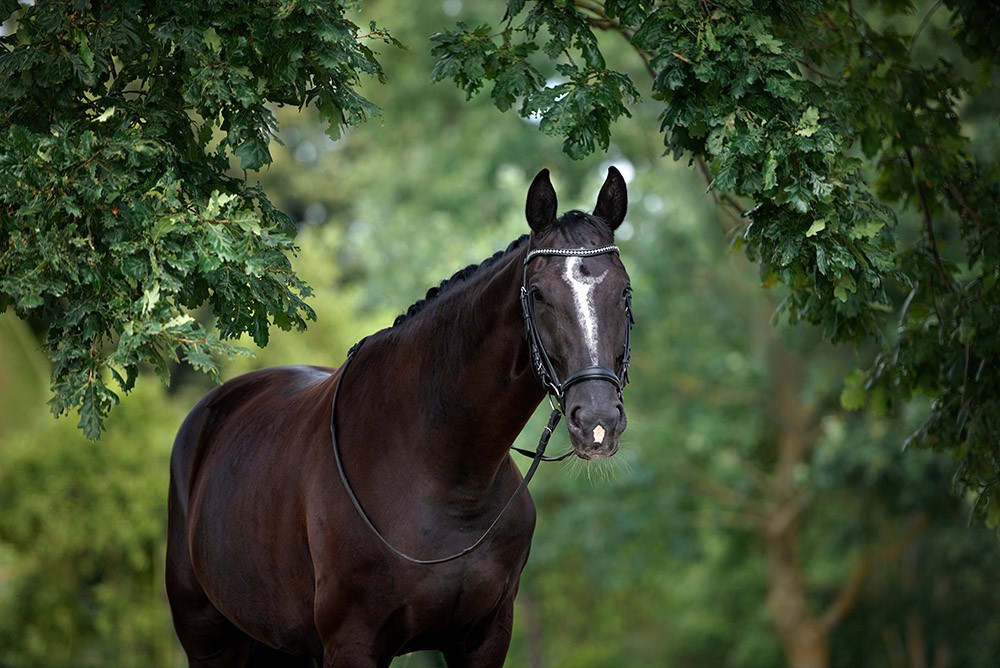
612,202
540,209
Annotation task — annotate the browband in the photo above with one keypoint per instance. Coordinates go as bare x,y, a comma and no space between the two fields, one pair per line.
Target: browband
570,252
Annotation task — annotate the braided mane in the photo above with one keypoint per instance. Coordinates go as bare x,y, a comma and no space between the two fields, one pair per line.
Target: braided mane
575,226
459,276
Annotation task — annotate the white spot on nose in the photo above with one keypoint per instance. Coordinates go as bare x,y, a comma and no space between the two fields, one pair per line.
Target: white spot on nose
599,434
583,296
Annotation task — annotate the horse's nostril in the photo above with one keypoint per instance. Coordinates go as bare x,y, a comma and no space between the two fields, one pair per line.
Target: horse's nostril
607,419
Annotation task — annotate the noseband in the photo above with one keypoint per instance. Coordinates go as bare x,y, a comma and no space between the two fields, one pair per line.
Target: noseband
540,358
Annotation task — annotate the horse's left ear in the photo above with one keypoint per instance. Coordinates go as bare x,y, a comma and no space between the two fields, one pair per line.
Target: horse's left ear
612,202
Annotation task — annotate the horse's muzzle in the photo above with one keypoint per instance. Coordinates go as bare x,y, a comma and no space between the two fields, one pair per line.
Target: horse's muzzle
595,419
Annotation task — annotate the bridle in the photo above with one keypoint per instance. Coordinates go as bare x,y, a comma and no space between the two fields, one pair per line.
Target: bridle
541,362
550,382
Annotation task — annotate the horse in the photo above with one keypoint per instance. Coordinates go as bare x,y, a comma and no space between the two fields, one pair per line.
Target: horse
341,517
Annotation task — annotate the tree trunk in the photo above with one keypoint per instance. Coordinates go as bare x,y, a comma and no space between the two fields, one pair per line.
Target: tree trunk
804,638
792,434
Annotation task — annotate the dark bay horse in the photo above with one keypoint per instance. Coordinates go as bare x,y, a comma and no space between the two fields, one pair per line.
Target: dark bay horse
298,493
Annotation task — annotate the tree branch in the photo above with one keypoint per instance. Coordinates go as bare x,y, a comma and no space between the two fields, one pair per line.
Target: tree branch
847,598
733,500
928,223
782,518
730,205
923,24
956,193
602,21
848,595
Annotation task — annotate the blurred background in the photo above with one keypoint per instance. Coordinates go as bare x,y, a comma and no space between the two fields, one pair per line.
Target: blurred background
749,521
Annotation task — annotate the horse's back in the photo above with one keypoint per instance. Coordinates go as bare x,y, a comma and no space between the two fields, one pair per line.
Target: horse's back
248,412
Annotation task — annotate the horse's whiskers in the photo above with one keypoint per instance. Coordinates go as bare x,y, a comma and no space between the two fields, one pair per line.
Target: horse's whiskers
617,467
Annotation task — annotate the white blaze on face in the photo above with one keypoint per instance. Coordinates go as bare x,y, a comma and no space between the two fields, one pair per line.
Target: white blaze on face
599,434
583,297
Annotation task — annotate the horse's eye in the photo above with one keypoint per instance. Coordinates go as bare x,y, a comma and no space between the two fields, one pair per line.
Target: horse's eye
538,296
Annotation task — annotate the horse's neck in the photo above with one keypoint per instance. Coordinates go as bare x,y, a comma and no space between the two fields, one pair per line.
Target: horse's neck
455,382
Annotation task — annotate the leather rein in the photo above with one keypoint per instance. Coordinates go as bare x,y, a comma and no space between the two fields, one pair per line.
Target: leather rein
542,365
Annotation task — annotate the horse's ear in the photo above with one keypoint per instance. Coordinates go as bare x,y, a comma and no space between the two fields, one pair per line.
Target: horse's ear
612,202
540,209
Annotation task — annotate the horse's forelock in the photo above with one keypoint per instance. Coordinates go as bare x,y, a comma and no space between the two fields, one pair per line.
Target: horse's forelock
577,229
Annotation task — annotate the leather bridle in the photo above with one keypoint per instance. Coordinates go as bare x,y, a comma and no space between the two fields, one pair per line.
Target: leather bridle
541,362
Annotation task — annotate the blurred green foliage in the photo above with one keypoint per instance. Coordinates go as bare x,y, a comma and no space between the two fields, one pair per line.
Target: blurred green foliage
743,480
82,541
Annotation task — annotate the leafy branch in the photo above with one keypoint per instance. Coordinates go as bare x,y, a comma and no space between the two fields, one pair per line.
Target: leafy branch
121,219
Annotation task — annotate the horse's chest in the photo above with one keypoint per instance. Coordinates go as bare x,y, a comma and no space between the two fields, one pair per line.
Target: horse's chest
462,597
419,605
472,586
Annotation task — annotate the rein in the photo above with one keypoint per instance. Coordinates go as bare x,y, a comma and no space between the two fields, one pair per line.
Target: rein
538,457
550,382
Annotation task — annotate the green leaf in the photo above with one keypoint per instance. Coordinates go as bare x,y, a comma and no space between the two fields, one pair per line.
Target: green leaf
770,171
83,50
866,229
253,154
769,42
217,203
710,41
211,39
178,321
248,221
817,227
164,225
150,297
105,115
809,123
845,285
200,358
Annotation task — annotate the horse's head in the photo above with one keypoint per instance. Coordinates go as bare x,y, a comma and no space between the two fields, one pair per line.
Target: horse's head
577,308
